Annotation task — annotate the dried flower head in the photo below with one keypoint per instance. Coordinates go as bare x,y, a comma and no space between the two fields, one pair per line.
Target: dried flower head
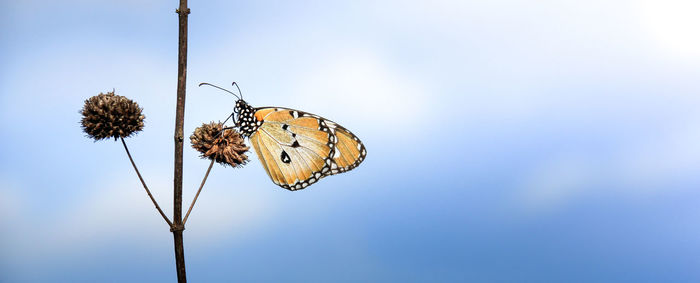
111,116
225,147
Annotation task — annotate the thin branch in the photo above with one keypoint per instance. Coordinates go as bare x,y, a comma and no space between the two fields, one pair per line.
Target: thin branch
144,185
178,228
198,191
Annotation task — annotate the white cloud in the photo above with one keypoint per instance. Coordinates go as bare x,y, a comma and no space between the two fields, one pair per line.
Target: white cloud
665,163
121,210
222,214
557,181
672,157
11,202
356,85
673,24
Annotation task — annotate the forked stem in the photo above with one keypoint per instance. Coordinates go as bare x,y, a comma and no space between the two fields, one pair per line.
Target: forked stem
198,191
170,224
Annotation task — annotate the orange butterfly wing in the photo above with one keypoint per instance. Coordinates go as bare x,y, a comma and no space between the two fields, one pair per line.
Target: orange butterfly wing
297,148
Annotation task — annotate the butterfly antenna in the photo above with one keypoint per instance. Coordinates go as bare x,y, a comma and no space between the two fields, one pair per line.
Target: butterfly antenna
239,89
226,90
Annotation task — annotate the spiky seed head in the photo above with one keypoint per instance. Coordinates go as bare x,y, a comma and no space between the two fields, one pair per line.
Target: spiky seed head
226,148
111,116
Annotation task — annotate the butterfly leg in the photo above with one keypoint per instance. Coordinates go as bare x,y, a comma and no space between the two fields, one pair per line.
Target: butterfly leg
229,117
226,128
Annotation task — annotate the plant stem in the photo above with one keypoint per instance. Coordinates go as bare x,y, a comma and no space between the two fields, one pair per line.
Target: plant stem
198,191
144,185
178,226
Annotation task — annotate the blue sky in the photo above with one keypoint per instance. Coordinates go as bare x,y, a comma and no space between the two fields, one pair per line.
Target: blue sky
508,141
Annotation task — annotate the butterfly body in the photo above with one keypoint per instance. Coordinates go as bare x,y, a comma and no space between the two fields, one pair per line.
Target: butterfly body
297,148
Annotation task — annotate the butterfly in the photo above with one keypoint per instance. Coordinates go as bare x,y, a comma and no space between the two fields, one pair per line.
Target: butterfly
296,148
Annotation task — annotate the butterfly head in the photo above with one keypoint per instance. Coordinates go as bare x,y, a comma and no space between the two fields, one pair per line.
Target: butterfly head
245,119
